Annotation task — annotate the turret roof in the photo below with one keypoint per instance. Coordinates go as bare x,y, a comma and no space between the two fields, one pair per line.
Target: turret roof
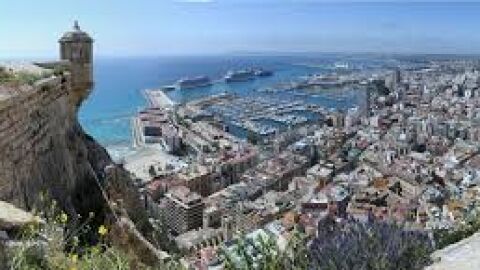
77,35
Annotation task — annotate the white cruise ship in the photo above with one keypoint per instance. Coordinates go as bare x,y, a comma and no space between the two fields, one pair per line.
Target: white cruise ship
200,81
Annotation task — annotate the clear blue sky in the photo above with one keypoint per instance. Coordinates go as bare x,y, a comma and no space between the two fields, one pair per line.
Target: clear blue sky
30,28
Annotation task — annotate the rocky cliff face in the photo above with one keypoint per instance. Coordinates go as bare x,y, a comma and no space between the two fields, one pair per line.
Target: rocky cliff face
43,149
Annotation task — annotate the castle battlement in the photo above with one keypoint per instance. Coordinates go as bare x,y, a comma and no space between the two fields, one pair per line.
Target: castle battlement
43,146
76,46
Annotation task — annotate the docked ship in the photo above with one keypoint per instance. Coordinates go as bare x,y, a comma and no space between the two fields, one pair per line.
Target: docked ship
240,75
340,65
187,83
168,88
263,73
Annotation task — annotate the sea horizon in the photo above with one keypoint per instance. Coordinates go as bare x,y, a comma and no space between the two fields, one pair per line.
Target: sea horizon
266,53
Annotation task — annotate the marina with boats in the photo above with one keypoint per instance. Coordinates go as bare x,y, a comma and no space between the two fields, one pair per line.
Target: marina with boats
260,116
265,111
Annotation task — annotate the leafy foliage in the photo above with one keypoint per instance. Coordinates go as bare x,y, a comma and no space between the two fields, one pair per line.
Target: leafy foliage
53,243
346,245
21,77
264,253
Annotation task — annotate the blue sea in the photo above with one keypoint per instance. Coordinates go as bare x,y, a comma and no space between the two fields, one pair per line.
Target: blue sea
119,82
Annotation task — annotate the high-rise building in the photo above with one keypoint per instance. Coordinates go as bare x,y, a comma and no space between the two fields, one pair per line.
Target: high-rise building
397,76
184,210
394,79
368,97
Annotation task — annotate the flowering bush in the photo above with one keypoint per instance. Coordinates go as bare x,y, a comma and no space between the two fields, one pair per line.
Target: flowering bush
51,243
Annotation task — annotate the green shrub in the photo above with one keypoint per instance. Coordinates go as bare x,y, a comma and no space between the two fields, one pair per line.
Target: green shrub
263,253
346,245
51,243
22,77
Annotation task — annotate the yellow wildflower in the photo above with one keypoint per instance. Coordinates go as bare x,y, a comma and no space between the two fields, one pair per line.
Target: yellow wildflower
74,258
102,230
75,241
63,218
95,250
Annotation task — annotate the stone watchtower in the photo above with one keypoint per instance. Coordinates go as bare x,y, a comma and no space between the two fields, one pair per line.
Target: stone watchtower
76,48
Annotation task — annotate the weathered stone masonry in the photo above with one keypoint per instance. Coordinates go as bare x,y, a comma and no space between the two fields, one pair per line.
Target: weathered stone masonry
42,146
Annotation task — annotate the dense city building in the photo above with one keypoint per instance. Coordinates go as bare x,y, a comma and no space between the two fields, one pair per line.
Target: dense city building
184,210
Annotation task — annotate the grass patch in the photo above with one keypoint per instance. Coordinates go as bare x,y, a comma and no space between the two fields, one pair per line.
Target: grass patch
21,77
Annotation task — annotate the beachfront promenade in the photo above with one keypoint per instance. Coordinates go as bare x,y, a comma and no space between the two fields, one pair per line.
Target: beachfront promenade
157,98
147,155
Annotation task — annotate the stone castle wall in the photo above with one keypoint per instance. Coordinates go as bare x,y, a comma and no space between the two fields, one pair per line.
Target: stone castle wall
27,132
44,149
25,125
